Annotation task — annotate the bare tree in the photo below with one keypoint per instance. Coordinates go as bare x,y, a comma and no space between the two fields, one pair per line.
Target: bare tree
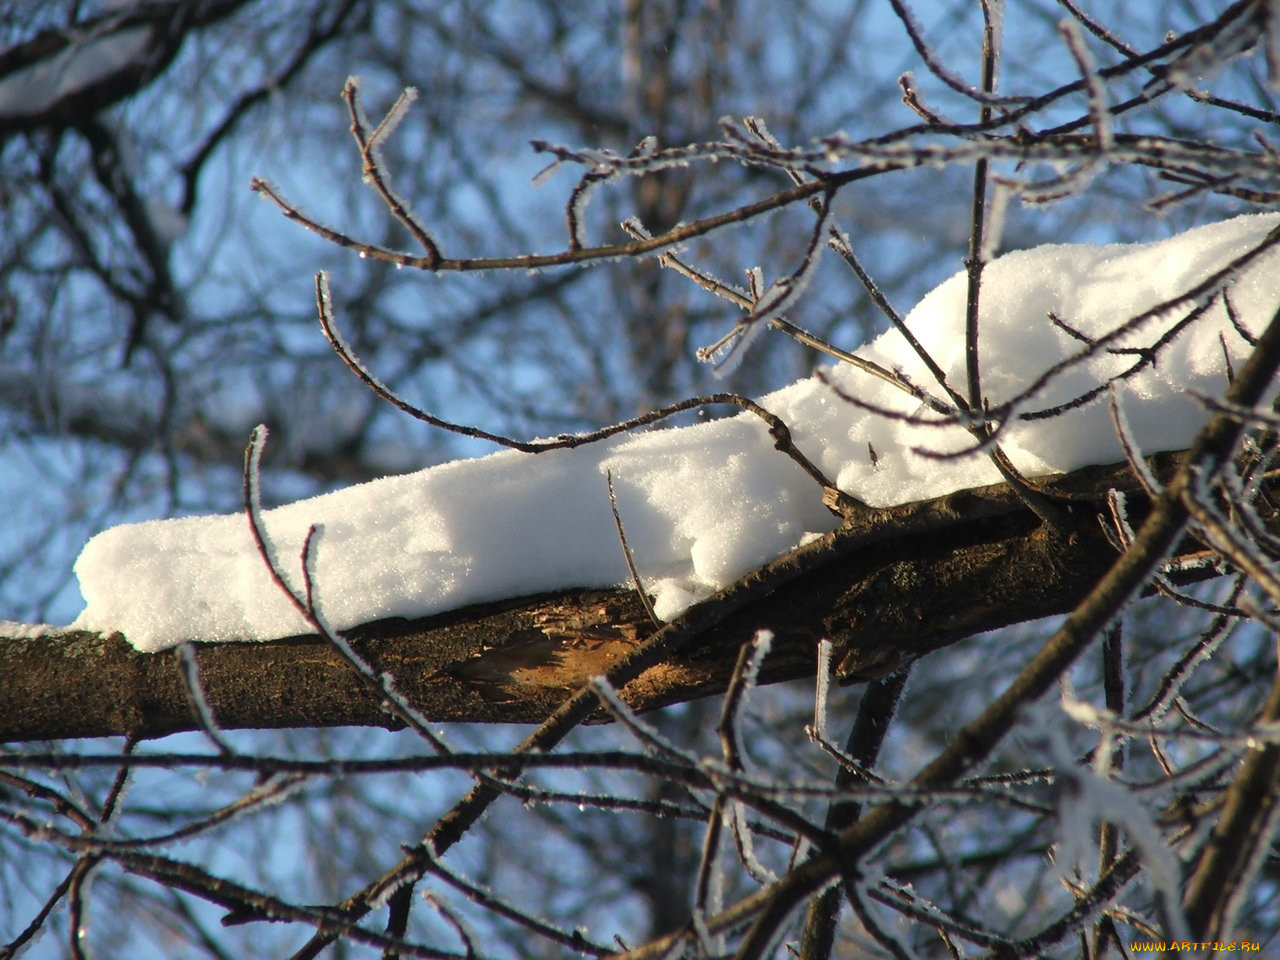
963,813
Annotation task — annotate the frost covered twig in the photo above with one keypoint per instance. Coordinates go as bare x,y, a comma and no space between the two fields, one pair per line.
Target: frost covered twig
1233,543
997,417
236,897
371,160
985,96
626,553
1214,447
1199,296
189,666
304,601
455,923
866,738
838,501
671,238
778,298
843,247
649,737
1137,463
877,155
1098,111
575,940
742,299
979,244
708,886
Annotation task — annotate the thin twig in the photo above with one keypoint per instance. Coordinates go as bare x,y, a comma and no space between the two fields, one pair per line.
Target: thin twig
866,737
976,260
379,682
575,940
374,174
673,237
740,683
738,297
1213,447
778,429
201,709
641,593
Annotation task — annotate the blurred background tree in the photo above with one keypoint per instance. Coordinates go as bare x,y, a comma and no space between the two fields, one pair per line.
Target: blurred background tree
152,310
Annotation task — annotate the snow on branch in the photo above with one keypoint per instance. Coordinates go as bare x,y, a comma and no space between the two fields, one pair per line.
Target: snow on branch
708,503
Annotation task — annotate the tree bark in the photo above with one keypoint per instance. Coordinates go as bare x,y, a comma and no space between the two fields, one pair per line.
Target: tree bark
884,588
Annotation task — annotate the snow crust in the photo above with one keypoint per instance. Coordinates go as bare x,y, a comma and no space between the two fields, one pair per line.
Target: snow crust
27,631
705,504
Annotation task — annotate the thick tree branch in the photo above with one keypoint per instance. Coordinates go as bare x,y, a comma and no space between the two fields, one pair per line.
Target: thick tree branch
1228,864
978,557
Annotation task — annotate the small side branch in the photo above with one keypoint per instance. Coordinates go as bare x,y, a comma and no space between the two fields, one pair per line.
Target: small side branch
626,553
374,169
839,502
